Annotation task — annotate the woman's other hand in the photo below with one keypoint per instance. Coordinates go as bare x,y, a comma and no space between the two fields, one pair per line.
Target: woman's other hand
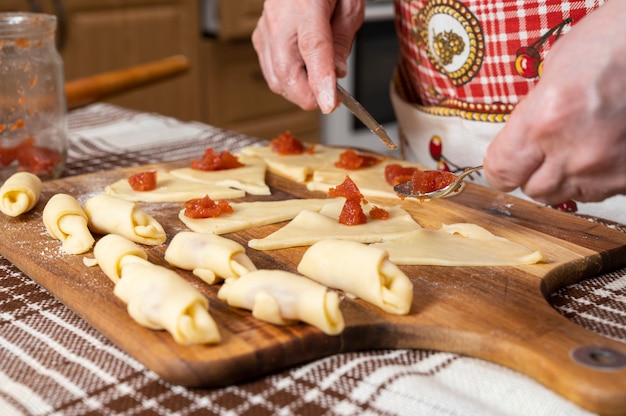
567,138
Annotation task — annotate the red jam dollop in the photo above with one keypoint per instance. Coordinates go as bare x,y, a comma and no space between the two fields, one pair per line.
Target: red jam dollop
351,160
205,207
143,181
211,160
287,144
396,173
379,213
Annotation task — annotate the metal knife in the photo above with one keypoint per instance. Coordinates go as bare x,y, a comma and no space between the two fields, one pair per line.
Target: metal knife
361,113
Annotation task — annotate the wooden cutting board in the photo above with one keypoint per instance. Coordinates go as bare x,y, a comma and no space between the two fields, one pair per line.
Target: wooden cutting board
498,314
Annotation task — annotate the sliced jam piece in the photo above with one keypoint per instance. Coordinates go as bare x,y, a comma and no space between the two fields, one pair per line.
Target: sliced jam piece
347,189
352,213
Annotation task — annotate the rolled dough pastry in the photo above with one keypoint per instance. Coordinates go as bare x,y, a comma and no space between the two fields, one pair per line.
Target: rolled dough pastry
252,214
458,245
298,168
171,188
361,270
111,215
309,227
249,178
19,193
66,221
109,252
156,297
281,298
210,257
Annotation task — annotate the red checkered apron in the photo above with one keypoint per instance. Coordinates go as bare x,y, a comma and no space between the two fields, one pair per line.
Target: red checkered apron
481,52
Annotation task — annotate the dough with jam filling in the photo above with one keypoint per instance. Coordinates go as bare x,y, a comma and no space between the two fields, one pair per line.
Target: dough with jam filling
210,257
282,298
66,221
309,227
19,193
360,270
156,297
171,188
110,215
252,214
298,168
249,178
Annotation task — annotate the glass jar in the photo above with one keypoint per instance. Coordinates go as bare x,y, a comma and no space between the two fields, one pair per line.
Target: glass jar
33,130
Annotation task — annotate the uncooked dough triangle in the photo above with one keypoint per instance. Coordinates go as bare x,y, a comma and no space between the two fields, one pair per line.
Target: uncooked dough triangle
309,227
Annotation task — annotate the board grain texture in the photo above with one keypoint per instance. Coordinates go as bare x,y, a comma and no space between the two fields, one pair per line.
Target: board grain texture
499,314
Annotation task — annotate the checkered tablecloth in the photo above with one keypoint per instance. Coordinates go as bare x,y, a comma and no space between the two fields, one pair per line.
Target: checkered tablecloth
54,363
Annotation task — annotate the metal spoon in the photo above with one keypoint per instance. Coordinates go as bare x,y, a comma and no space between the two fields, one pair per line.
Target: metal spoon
406,188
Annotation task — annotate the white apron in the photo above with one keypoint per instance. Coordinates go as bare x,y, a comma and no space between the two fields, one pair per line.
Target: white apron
465,144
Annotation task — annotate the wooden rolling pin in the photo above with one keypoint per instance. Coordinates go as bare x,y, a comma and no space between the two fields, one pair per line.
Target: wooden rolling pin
87,90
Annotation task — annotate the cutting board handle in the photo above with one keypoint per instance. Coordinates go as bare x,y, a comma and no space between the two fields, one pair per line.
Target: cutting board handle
522,331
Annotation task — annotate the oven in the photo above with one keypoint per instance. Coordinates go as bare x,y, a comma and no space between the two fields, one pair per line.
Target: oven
370,68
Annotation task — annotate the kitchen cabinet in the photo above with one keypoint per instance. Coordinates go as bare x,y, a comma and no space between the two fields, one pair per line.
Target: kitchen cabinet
101,35
224,86
235,95
234,92
231,20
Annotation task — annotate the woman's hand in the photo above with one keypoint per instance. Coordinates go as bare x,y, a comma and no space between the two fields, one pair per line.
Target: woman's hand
567,138
303,46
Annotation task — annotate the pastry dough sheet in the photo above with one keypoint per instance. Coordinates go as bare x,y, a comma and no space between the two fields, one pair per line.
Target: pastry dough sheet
298,168
171,188
360,270
111,215
210,257
309,227
66,221
461,244
252,214
249,178
19,193
282,298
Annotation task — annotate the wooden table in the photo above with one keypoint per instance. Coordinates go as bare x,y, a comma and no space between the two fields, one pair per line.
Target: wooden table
53,361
